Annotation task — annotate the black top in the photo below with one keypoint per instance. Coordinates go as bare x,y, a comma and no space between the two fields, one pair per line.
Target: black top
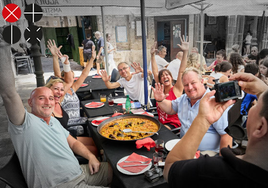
252,57
225,171
87,44
64,119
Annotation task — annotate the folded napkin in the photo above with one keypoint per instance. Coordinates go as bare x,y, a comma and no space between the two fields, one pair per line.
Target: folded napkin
135,157
84,85
145,113
146,142
97,122
117,114
94,104
197,154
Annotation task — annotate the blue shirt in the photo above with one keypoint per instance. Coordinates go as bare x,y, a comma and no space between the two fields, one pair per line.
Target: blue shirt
187,114
248,99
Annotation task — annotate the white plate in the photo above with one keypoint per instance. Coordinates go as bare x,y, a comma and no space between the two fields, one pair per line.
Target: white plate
170,144
141,113
120,100
99,118
95,107
131,173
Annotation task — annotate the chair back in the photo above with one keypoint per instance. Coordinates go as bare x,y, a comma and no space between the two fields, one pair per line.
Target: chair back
11,173
115,75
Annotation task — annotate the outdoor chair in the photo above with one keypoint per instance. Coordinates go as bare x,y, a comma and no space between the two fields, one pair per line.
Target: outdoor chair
11,173
22,61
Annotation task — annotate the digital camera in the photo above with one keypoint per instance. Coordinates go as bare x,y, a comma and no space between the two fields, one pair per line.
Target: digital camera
227,90
153,174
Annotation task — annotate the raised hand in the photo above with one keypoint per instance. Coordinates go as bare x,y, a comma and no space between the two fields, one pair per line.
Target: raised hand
153,48
212,110
105,76
53,47
159,94
184,43
137,67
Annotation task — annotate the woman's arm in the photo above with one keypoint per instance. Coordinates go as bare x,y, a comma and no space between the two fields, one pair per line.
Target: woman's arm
154,65
76,85
178,87
54,51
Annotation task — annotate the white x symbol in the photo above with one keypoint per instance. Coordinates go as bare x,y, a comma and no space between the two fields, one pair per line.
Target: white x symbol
11,13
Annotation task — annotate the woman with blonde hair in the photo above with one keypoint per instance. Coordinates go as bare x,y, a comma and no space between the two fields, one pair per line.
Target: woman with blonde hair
193,61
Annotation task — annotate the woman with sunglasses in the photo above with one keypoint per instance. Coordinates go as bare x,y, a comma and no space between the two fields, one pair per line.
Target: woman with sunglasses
165,78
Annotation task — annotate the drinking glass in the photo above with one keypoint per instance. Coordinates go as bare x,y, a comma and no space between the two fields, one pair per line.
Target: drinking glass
110,101
103,98
159,145
157,157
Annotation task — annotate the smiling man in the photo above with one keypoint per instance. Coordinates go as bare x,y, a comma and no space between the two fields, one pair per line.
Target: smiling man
132,82
44,148
187,108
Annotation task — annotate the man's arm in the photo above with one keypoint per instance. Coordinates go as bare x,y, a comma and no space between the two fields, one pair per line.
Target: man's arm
209,112
137,67
106,79
11,99
99,52
79,148
226,140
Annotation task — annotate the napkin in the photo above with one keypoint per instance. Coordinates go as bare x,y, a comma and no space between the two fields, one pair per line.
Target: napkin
135,157
94,104
97,122
117,114
76,78
145,113
197,154
146,142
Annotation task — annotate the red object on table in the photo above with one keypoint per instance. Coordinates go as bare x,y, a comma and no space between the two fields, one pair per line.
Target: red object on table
96,76
135,157
117,114
94,105
84,85
145,113
197,154
97,122
146,142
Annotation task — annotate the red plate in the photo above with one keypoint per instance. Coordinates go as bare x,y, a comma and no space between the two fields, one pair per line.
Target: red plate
97,76
94,105
84,85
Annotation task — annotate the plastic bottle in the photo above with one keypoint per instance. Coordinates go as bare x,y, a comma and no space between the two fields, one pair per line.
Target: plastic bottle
128,105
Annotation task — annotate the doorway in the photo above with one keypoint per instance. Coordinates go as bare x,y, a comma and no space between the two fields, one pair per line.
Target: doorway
168,31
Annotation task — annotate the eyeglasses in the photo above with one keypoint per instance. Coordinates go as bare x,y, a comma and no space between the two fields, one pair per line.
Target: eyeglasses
124,68
53,77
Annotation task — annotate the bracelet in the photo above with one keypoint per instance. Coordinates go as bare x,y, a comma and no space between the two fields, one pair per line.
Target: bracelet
66,67
159,101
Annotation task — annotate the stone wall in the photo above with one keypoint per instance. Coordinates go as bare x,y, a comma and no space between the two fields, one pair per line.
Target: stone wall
130,51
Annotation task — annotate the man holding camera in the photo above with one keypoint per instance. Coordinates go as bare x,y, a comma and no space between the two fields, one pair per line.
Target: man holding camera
249,170
187,108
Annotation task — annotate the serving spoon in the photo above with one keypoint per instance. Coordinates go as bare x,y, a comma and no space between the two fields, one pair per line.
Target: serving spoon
130,131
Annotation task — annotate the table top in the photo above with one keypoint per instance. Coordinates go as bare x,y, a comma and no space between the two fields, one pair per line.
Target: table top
102,111
93,85
115,150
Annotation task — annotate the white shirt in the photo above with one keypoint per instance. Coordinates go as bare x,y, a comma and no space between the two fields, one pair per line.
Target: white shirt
161,63
134,87
174,67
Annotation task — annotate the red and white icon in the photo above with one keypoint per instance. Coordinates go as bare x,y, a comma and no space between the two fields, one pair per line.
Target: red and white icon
11,12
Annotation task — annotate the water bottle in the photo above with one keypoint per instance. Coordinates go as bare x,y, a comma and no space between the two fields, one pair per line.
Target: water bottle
128,105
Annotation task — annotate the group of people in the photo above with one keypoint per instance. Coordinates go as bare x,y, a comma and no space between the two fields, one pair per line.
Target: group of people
89,47
40,137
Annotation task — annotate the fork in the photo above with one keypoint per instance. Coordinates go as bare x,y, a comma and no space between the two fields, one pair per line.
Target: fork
142,162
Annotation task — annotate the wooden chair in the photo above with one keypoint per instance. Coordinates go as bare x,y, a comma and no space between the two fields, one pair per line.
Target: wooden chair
11,173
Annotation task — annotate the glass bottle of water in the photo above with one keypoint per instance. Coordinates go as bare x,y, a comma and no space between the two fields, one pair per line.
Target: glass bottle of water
128,105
